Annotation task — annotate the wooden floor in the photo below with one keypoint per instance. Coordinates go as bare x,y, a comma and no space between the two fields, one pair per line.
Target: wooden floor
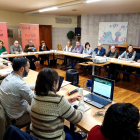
124,91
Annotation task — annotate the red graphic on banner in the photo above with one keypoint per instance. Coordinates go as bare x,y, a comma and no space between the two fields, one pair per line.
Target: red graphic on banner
3,34
30,32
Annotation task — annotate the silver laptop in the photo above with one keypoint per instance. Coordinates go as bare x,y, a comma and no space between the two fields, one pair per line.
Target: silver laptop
101,92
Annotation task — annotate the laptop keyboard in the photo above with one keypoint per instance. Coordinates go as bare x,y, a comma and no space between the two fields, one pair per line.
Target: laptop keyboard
92,99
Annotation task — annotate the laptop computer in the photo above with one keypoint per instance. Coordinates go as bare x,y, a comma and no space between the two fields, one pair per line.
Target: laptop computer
101,92
60,82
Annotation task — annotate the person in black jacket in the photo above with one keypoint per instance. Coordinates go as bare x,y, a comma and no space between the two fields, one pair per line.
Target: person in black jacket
44,57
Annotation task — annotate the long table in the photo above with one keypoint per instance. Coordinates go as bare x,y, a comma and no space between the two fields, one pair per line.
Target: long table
113,61
25,54
89,114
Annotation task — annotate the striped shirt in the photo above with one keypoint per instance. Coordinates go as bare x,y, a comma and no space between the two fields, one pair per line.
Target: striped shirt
48,114
15,95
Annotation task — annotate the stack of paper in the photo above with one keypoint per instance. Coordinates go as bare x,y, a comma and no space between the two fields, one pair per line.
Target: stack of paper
5,71
65,83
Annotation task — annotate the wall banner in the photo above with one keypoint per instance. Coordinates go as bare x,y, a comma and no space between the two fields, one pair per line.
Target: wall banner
30,32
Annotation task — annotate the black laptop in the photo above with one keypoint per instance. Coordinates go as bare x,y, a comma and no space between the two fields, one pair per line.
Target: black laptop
101,92
60,82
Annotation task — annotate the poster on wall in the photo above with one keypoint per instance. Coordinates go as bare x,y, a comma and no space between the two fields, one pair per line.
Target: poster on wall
112,32
30,32
3,34
10,33
19,33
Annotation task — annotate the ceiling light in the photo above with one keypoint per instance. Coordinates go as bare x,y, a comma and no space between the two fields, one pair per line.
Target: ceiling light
48,9
89,1
71,4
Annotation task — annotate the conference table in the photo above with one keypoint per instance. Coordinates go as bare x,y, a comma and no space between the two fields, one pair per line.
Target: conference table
83,56
89,120
25,54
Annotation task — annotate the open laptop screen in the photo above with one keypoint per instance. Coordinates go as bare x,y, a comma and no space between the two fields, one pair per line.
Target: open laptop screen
103,87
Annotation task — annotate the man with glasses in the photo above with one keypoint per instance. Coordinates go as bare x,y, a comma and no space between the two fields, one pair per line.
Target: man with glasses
16,48
30,47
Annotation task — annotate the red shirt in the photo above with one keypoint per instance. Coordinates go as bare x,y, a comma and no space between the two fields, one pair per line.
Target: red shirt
96,134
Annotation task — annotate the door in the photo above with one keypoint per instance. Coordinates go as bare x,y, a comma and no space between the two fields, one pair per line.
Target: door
45,33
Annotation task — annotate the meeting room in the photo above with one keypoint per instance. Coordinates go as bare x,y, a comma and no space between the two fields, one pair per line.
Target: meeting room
70,70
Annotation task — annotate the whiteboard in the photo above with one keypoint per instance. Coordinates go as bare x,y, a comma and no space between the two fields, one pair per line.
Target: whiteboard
112,32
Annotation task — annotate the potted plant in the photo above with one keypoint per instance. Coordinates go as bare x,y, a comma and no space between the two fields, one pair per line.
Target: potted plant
70,35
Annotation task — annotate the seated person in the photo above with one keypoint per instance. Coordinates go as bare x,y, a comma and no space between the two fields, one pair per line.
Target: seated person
78,49
15,94
48,109
100,51
31,48
16,48
88,49
68,48
128,55
44,57
2,48
113,53
120,123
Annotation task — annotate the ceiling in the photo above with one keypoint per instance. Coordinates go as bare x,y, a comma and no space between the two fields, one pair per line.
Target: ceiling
98,7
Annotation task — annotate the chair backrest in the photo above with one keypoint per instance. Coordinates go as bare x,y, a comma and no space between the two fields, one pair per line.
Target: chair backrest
59,46
4,122
125,44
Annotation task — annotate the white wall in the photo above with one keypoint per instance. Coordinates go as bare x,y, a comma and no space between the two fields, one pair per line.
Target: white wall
90,27
59,36
59,31
14,19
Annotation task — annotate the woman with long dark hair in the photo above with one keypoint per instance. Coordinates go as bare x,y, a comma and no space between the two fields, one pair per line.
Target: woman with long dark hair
120,123
128,55
48,109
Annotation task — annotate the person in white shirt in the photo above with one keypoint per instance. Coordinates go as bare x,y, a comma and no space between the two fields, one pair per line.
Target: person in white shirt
68,48
16,95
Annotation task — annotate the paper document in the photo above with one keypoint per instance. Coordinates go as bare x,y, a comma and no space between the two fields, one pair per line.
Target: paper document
5,71
122,60
77,103
65,83
136,63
